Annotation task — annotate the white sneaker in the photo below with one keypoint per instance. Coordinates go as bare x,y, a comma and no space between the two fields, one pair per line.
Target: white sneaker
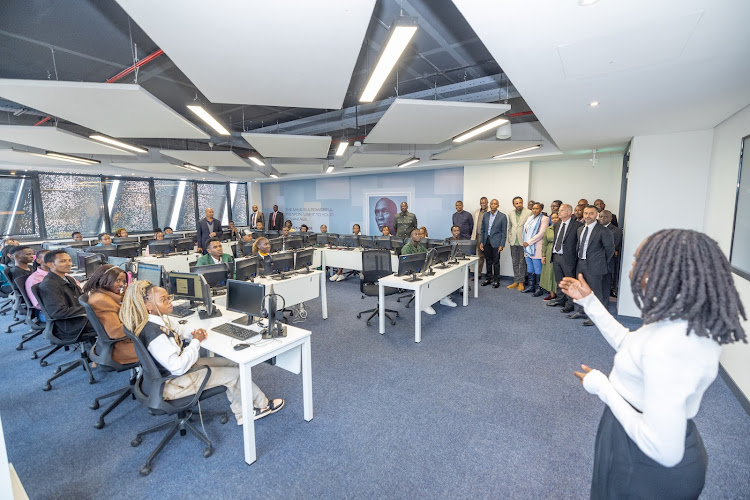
447,301
429,310
340,277
335,277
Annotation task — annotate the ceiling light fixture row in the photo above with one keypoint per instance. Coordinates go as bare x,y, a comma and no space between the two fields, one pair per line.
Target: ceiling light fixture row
194,168
69,158
530,148
494,123
342,148
402,31
257,161
406,163
117,144
210,120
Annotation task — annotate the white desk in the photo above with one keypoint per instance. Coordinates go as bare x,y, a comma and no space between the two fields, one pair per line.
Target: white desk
430,289
172,263
292,354
348,259
227,247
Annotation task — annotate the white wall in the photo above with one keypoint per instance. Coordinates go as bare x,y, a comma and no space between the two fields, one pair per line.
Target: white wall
720,199
573,179
667,182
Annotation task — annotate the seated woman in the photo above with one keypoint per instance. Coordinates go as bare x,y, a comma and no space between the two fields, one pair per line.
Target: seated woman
105,240
158,236
121,233
288,223
105,289
423,232
176,350
262,247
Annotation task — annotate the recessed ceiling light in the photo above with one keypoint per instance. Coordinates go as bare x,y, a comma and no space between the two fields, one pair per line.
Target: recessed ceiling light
274,176
342,147
210,120
530,148
117,143
594,104
194,168
397,42
257,161
410,161
586,3
496,122
330,169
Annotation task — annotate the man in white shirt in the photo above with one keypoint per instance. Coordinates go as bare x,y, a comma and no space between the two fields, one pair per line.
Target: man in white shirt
564,256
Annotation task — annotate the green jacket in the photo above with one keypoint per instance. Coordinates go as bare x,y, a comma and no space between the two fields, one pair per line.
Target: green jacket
405,223
409,248
207,260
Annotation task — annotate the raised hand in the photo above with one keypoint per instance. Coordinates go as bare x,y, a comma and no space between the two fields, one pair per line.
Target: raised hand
575,288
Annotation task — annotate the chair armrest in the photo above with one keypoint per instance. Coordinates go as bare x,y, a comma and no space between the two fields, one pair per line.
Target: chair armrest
192,370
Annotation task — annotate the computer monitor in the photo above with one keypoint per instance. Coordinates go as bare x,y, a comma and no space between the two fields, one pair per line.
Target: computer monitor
276,244
129,250
174,236
464,248
183,244
397,244
125,239
246,298
194,288
246,247
428,261
216,274
293,242
442,254
81,260
383,242
303,259
333,239
73,253
160,247
308,239
367,241
349,240
282,262
109,250
145,240
118,261
91,263
411,264
150,272
432,242
246,269
78,244
321,239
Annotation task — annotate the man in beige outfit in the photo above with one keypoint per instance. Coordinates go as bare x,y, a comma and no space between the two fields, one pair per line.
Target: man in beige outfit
516,219
476,234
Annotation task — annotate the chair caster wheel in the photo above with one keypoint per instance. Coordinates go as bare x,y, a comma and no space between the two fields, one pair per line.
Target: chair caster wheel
34,356
94,405
397,315
47,387
399,301
136,442
19,348
99,425
359,316
224,419
7,330
368,323
208,452
42,363
393,323
92,381
57,370
145,471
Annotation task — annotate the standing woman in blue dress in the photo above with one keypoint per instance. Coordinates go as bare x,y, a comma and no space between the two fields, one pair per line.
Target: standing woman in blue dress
647,445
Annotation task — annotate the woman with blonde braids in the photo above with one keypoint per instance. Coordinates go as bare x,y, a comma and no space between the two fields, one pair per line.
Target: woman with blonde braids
176,350
262,247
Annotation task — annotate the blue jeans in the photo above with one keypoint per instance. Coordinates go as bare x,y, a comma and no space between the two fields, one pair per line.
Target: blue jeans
534,265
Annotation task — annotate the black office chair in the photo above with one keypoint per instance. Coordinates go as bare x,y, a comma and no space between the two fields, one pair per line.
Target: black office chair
101,354
376,264
32,318
19,309
148,390
77,342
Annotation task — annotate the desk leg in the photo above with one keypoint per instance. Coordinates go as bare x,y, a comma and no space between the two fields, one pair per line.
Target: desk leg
476,279
381,308
323,295
307,396
248,415
466,286
417,316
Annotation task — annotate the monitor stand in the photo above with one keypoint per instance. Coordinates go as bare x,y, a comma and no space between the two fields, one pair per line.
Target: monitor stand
414,277
429,272
202,314
243,320
305,271
282,276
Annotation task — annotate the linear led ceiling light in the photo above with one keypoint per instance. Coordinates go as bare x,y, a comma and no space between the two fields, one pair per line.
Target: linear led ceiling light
530,148
494,123
402,31
194,168
410,161
68,158
342,147
210,120
118,144
257,161
274,176
330,169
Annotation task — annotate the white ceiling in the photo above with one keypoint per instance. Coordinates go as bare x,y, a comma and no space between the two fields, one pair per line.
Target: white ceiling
57,140
289,146
116,109
297,53
15,158
206,158
655,67
153,168
414,121
366,160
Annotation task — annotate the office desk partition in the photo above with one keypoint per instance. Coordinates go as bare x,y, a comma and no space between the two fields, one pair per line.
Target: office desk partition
430,289
292,353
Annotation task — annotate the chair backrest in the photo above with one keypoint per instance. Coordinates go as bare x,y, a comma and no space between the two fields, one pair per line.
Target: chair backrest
18,302
50,329
32,313
376,264
101,352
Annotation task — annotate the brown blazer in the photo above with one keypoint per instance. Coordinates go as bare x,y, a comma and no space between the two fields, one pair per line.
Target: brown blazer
106,306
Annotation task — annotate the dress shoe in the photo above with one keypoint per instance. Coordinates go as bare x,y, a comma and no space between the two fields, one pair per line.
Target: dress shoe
486,282
577,315
512,285
588,322
496,284
548,297
520,287
567,310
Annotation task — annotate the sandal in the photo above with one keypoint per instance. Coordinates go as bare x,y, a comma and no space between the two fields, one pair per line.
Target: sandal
274,405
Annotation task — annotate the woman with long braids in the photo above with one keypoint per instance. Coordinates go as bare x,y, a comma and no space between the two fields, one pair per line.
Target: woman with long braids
176,350
647,445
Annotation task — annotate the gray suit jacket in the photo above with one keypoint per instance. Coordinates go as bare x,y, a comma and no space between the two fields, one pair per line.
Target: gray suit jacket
259,218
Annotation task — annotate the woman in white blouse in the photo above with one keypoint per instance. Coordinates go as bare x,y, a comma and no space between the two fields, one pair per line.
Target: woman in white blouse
647,445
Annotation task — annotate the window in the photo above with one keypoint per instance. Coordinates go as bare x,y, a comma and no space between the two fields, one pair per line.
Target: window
739,256
213,195
17,211
238,192
175,204
71,203
129,205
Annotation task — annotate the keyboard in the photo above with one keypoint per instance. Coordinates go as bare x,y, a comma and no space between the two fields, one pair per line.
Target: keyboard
235,331
181,311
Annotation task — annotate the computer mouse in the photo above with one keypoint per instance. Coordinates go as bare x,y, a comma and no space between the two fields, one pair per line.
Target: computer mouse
182,321
239,347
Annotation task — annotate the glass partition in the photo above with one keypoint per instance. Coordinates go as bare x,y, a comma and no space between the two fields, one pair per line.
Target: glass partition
129,205
17,210
238,193
71,203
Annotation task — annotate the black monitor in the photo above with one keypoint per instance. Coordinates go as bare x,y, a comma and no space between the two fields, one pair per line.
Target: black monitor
428,261
73,253
367,241
107,251
383,242
349,240
246,298
78,244
333,239
145,240
321,239
118,261
125,239
173,236
246,247
464,248
150,272
183,244
282,262
442,254
160,247
293,242
397,244
129,250
91,263
246,269
432,242
276,244
303,259
411,264
308,239
81,259
194,288
216,274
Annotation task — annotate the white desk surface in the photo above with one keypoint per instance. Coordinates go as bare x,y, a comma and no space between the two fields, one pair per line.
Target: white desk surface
348,259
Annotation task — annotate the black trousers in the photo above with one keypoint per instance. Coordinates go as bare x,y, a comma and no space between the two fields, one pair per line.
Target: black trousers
622,470
563,271
594,281
492,259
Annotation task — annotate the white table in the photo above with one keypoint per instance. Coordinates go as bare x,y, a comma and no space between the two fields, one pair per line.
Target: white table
173,263
348,259
430,289
292,353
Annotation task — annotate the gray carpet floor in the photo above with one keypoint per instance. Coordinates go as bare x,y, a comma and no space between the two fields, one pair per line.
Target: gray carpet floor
486,406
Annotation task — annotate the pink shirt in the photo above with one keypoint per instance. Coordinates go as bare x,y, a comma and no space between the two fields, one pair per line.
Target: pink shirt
33,279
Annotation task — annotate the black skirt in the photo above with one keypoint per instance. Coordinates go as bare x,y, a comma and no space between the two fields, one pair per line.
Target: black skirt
622,470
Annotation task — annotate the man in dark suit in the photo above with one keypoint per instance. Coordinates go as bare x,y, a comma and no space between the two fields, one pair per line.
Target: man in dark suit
600,205
609,285
564,253
208,228
255,217
493,235
596,246
275,219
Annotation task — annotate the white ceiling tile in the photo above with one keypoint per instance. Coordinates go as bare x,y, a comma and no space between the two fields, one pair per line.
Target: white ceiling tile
55,139
297,168
154,168
364,160
289,146
206,158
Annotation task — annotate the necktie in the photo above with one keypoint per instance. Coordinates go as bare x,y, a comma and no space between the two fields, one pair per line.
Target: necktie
273,222
583,242
254,216
560,236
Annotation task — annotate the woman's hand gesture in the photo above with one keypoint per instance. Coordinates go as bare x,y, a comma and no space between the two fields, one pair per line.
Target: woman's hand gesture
575,288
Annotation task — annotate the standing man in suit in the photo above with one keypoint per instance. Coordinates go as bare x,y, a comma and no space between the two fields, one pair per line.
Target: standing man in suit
600,205
255,217
516,220
476,234
610,279
564,253
208,228
276,219
494,232
596,246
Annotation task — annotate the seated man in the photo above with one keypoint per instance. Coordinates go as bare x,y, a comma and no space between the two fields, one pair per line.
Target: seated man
234,232
23,256
60,293
303,228
105,240
455,234
77,237
168,230
215,254
386,230
323,229
259,225
247,238
414,245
